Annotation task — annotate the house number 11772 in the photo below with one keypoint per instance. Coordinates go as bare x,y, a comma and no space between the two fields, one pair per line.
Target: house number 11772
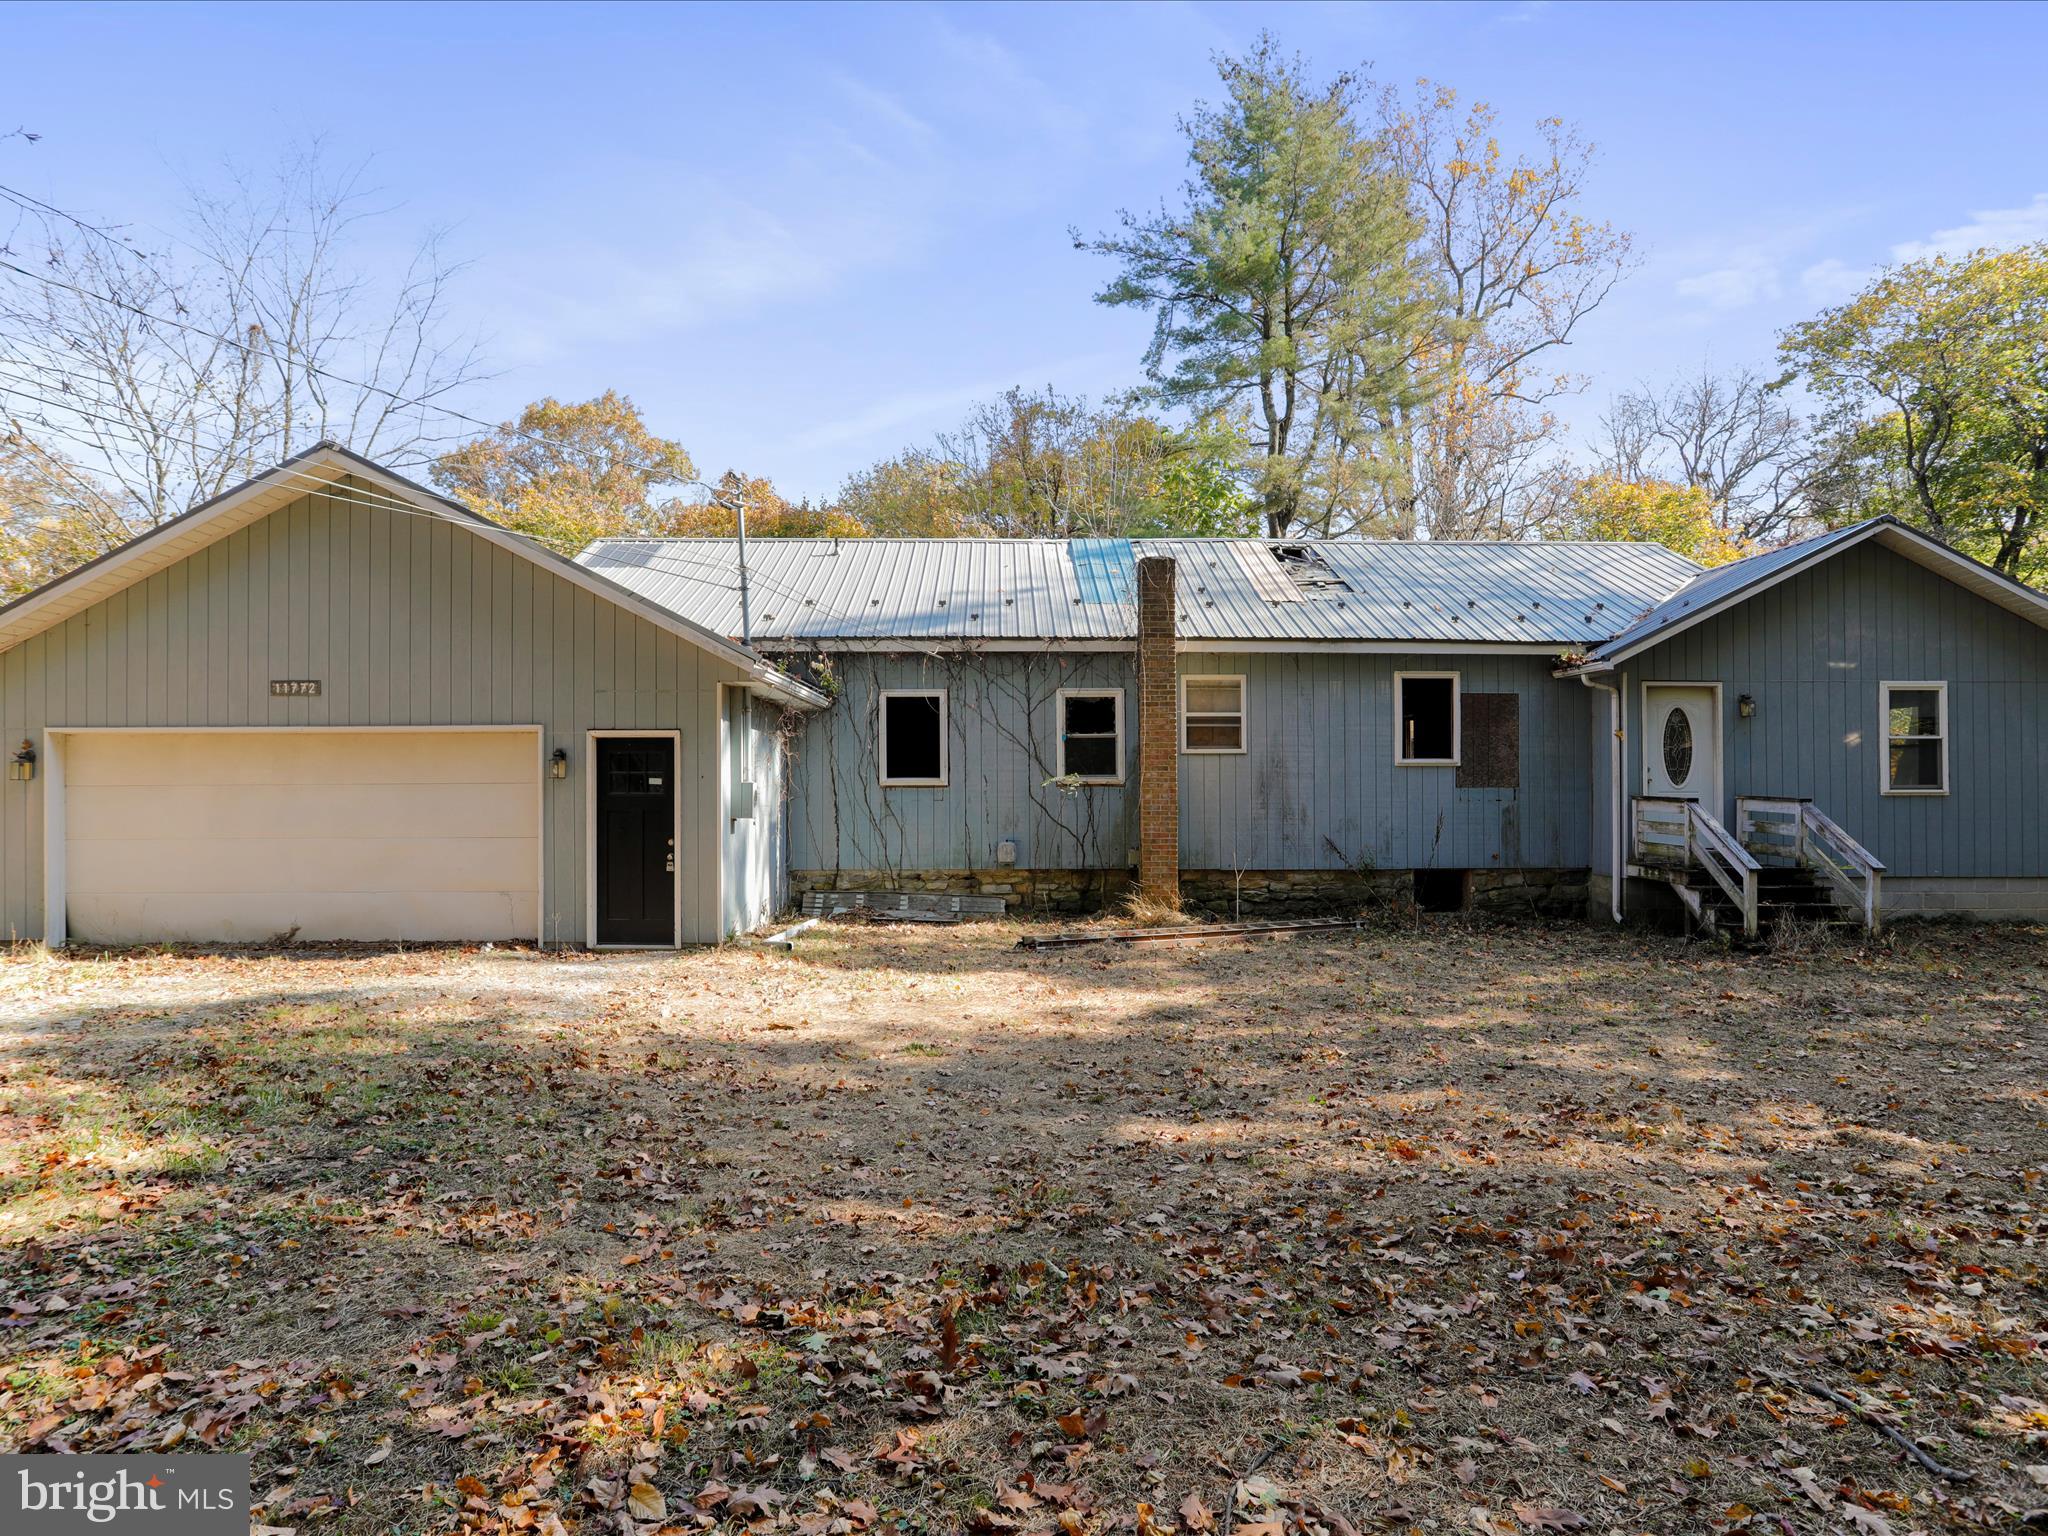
295,687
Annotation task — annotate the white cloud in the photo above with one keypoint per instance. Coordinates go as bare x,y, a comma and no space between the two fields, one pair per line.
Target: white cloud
1832,280
1749,274
2000,228
940,408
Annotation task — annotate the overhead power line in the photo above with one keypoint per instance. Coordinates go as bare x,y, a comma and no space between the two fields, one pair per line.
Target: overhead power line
424,402
378,501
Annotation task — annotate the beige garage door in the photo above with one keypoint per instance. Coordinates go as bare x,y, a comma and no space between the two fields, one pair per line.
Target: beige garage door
243,836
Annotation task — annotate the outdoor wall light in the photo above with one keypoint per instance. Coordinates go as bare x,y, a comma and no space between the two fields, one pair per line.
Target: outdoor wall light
23,764
558,765
1745,706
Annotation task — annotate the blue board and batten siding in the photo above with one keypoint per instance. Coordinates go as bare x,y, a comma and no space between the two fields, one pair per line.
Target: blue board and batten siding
1812,650
1002,750
406,620
1316,789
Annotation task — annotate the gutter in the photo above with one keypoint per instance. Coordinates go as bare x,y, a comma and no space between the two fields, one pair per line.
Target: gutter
1614,877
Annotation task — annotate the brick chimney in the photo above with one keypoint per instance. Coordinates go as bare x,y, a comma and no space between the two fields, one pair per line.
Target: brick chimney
1158,734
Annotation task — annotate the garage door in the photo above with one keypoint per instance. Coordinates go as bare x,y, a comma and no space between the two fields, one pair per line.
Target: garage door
244,836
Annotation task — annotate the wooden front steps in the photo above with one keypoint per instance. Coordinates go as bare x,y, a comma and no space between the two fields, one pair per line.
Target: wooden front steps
1786,859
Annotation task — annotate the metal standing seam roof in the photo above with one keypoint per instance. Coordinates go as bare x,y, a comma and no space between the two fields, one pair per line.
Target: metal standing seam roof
1569,595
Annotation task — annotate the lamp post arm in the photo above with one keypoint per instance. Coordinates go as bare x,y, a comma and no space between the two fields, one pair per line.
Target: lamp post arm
739,505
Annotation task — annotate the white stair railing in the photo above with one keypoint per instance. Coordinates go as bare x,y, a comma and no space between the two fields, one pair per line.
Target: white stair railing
1853,870
1800,832
1682,833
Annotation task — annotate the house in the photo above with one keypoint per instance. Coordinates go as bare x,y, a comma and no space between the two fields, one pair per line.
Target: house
1259,724
331,704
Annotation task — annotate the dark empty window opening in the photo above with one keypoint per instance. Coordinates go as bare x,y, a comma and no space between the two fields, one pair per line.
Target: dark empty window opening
1425,718
1441,890
1092,736
1309,571
914,737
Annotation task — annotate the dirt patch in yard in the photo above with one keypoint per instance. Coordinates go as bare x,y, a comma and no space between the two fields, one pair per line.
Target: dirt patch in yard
1450,1227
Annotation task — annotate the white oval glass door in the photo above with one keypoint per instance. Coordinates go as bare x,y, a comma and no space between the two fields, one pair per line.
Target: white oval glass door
1681,743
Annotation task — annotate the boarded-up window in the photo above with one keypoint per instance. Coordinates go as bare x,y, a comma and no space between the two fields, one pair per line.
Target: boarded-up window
1492,732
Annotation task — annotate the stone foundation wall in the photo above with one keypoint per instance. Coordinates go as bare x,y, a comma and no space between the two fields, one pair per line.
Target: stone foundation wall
1263,893
1024,890
1529,892
1260,893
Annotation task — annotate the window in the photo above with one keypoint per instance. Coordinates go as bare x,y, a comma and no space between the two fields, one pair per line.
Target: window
1426,719
1915,724
1091,735
1212,714
914,736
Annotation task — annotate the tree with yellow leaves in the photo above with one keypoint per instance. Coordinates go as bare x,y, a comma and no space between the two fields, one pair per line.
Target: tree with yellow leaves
769,514
1519,267
1936,381
53,516
565,474
1680,517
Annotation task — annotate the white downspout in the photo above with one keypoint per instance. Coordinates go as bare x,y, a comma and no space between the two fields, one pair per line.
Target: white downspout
1614,877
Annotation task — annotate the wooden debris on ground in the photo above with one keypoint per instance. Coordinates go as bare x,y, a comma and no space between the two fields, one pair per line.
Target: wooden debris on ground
901,906
1190,932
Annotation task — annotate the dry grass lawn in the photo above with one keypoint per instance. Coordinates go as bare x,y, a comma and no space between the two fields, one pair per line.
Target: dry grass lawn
1454,1228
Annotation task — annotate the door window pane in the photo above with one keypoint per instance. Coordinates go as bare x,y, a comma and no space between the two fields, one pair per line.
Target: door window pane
1677,746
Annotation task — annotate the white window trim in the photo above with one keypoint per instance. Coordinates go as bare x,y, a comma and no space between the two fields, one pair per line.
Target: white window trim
1457,724
1060,731
882,738
1884,736
1244,732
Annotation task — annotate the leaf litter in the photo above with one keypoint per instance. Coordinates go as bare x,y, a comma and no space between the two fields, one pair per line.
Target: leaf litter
1456,1228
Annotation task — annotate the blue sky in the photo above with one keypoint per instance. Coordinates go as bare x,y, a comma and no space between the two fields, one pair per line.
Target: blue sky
803,237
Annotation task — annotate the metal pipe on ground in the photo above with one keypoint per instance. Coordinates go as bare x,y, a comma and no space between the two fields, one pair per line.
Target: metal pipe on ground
786,940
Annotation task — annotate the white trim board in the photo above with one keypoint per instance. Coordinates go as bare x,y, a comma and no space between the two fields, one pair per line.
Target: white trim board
55,918
951,645
590,740
1059,730
1907,543
1884,739
1719,808
1456,759
882,698
1244,714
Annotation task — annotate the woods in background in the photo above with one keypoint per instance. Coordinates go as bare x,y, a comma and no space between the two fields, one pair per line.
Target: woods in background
1358,297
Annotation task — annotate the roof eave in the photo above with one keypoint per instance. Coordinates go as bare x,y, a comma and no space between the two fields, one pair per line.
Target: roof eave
286,481
1899,537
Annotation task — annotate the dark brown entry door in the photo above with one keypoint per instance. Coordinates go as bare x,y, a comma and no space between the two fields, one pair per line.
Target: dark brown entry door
636,851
